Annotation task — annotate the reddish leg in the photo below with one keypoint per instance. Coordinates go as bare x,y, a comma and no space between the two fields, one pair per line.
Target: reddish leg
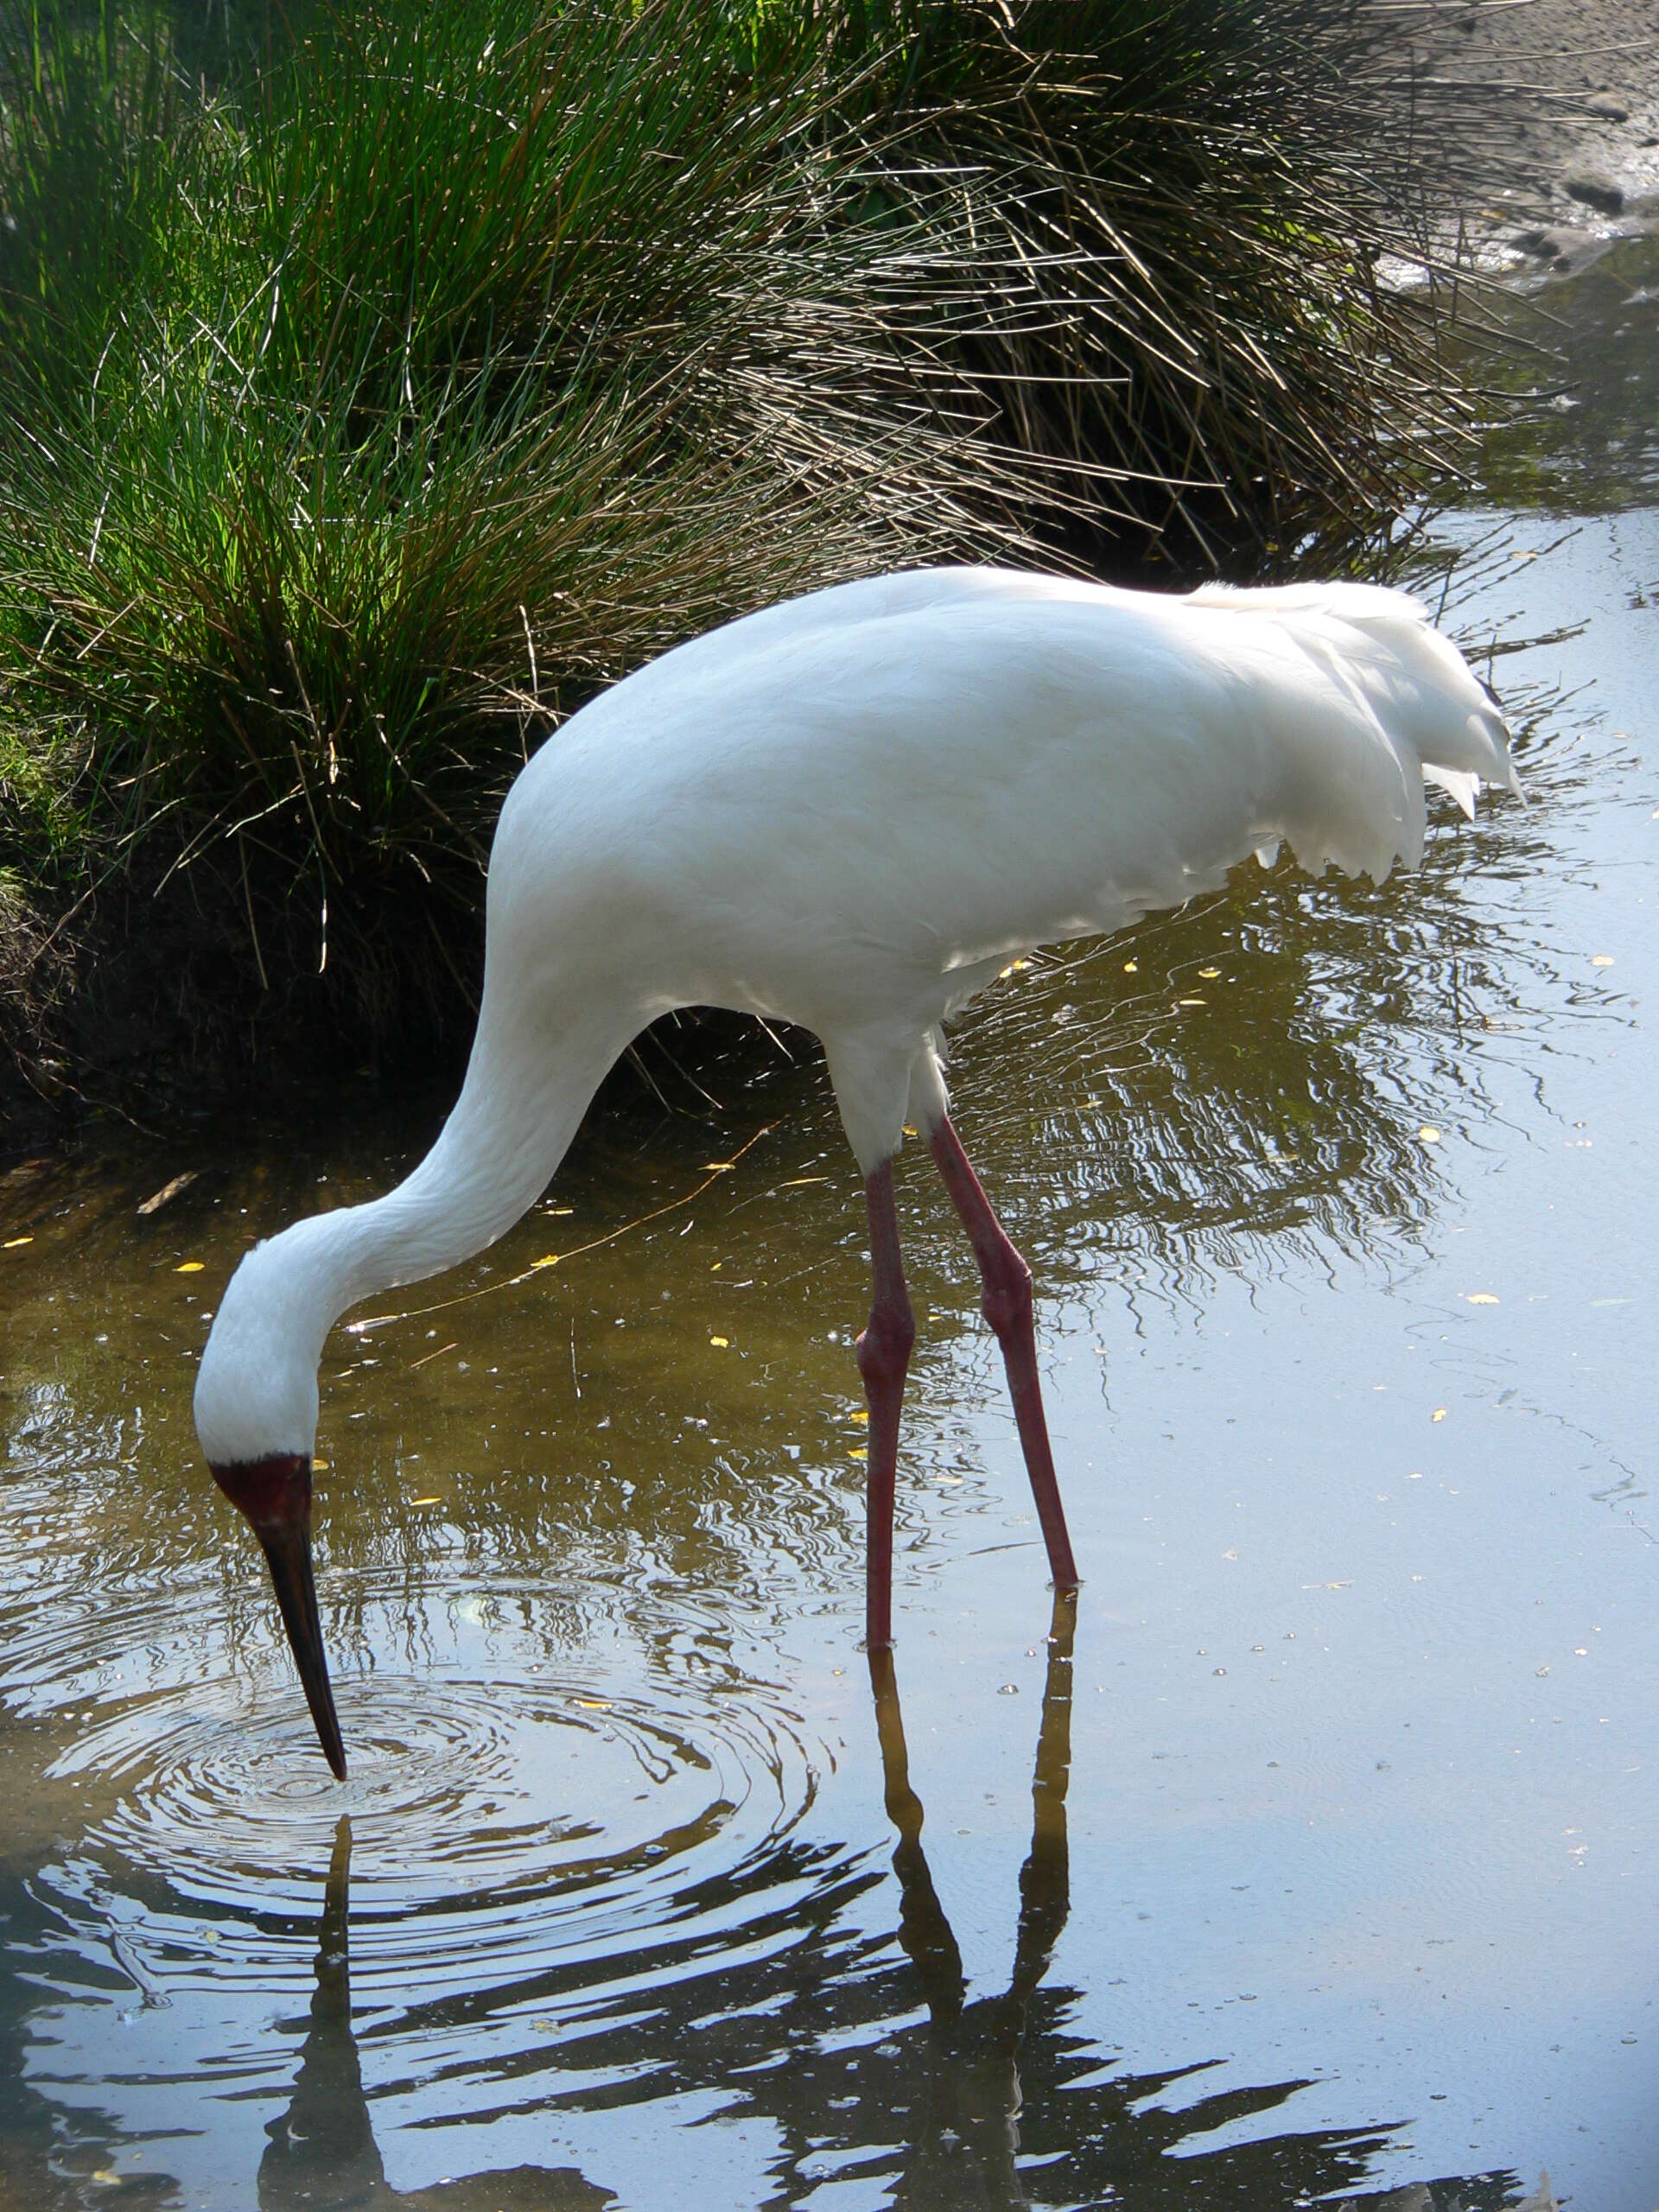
1007,1306
883,1357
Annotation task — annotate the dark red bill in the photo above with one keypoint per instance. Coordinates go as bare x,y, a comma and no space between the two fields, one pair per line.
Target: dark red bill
276,1496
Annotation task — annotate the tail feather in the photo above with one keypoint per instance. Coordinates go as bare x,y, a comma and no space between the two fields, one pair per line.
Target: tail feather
1417,684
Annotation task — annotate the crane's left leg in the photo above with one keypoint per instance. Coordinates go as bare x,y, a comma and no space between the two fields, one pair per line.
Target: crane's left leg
1007,1306
883,1361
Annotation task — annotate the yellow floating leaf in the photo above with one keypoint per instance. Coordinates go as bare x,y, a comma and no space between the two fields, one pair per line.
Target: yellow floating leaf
189,1267
319,1466
557,1211
863,1413
426,1501
858,1451
718,1166
720,1343
12,1242
547,1260
594,1704
1429,1134
1440,1412
1208,973
1131,967
1602,960
718,1265
1195,1001
1479,1298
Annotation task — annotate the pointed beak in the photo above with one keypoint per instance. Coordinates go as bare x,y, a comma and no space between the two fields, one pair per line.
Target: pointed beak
274,1494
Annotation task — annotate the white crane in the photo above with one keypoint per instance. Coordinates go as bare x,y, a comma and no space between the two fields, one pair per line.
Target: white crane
850,813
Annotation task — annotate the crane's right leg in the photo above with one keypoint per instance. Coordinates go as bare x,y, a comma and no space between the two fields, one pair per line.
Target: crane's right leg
883,1361
1007,1306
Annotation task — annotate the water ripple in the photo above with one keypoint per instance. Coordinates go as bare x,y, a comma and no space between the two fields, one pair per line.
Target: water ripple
510,1798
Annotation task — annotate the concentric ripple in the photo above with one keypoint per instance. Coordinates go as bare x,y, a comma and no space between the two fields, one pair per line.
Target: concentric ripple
510,1794
515,1775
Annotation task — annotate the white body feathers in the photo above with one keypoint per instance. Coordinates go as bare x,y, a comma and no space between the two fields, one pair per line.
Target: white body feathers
849,812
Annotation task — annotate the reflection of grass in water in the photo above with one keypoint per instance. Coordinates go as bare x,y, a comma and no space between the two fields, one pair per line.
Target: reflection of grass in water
1272,1104
1582,433
1287,1105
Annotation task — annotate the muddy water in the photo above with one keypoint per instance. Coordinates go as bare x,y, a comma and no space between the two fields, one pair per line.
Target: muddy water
1313,1860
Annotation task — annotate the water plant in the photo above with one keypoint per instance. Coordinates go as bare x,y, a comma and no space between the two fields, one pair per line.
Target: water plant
423,369
438,373
1182,214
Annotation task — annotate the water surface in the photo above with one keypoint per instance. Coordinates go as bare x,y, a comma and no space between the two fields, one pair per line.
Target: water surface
1311,1860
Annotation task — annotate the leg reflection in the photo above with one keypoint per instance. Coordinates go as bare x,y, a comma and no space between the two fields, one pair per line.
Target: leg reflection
964,2150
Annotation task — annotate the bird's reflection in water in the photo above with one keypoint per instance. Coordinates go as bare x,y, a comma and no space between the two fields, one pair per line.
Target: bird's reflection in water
323,2154
965,2128
963,2120
854,2085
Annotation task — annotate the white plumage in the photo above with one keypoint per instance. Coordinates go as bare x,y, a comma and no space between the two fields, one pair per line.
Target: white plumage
849,812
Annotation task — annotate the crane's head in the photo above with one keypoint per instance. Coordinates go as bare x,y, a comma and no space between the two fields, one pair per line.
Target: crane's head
256,1408
275,1493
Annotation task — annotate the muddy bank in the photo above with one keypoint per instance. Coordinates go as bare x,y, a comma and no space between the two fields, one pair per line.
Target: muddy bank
1571,162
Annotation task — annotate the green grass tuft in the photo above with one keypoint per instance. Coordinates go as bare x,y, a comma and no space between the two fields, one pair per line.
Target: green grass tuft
426,368
445,372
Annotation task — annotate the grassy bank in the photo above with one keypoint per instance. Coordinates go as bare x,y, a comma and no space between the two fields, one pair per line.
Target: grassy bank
371,392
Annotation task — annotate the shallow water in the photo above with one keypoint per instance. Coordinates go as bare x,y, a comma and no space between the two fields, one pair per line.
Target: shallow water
1315,1861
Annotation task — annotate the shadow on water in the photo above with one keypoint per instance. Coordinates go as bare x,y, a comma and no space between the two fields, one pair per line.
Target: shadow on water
1587,438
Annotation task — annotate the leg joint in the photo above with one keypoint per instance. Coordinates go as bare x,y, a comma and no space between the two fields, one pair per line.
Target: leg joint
884,1347
1006,1303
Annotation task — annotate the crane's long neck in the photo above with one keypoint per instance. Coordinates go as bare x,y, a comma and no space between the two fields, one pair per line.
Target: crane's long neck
525,1093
